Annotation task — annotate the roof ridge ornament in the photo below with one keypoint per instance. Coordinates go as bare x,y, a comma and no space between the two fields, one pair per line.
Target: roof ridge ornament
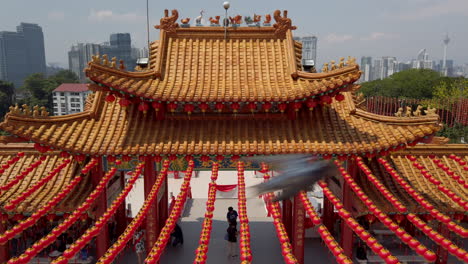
168,23
283,23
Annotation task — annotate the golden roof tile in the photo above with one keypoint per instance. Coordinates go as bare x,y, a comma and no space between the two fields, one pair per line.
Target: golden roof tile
109,129
199,64
50,189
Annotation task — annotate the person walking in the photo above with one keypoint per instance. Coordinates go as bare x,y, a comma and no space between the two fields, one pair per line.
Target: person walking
232,216
178,236
232,240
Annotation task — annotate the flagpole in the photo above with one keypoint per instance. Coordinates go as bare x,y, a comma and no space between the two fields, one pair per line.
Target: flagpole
147,31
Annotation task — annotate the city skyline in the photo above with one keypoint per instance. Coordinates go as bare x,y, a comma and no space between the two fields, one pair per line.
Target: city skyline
398,28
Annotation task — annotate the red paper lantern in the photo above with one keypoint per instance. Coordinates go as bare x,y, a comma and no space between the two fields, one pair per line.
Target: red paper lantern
203,107
311,103
252,106
124,102
205,158
339,97
172,106
266,106
143,107
110,98
219,157
189,108
219,106
326,99
282,107
156,106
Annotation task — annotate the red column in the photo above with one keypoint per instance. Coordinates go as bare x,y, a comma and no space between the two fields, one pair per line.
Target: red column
152,226
442,253
287,216
4,249
328,215
102,240
121,216
346,232
298,230
163,207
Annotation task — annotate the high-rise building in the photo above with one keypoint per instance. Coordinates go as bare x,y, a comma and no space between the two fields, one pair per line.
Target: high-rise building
69,98
377,70
422,61
366,68
309,48
79,56
21,53
35,50
119,46
389,66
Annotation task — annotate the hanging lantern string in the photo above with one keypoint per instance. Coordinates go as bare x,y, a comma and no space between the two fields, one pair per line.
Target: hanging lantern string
370,241
166,231
23,174
329,240
273,208
101,222
11,162
460,161
384,219
23,225
453,196
420,224
459,230
449,172
69,221
16,201
245,250
123,239
205,234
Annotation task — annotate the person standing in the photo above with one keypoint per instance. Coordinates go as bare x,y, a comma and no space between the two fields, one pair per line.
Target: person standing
178,236
232,240
139,244
232,216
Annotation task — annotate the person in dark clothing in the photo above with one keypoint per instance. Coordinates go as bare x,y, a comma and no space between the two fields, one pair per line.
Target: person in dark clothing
232,240
178,236
361,252
232,216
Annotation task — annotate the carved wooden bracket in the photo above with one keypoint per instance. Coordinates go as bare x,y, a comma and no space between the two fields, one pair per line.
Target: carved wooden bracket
283,23
168,23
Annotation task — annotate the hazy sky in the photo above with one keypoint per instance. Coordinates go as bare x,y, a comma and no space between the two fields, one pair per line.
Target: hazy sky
375,28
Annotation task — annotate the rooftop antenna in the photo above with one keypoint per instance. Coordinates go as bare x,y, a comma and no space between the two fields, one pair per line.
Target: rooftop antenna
226,6
147,31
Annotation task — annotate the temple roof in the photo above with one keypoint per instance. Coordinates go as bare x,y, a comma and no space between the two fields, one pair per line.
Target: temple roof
50,189
425,154
106,128
199,64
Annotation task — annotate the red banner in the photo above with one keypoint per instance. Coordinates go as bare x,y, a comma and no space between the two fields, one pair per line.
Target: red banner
225,188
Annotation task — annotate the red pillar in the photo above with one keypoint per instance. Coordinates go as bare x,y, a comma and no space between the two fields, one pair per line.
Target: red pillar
102,240
121,215
328,215
346,232
287,216
152,226
298,229
4,249
163,207
442,253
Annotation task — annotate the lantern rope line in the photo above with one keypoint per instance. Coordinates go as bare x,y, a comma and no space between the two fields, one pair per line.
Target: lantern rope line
420,224
384,219
23,174
11,162
23,225
329,240
165,234
452,226
96,229
450,172
123,239
67,223
273,208
370,241
460,161
244,231
205,234
14,202
453,196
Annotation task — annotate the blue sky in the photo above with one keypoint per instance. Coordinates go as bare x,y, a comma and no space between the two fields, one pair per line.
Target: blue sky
375,28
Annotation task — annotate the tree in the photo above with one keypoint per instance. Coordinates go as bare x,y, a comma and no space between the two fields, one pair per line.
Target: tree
7,94
39,88
412,83
451,88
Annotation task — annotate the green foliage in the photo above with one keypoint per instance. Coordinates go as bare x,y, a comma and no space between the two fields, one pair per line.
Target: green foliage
451,88
413,83
7,93
454,133
39,88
